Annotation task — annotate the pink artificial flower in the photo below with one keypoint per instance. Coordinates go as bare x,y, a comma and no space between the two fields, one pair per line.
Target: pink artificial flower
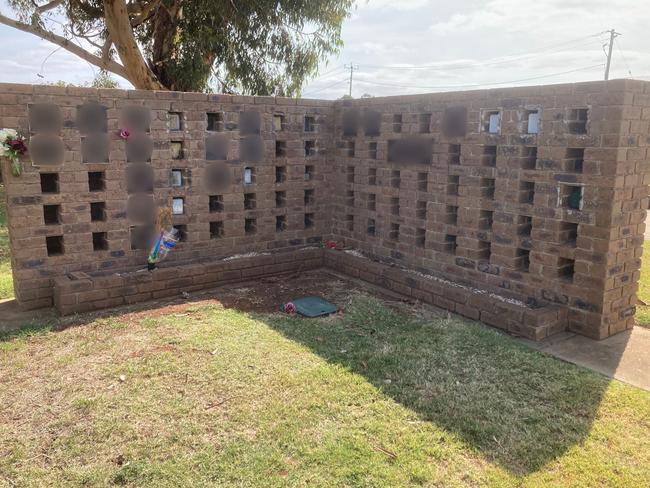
289,308
331,244
125,134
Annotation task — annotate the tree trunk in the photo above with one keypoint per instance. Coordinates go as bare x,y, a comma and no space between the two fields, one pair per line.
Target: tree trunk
121,32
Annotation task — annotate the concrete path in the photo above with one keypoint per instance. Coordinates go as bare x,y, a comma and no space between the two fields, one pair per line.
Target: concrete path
625,356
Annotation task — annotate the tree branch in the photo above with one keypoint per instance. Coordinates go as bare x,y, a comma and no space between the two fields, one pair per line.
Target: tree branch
66,44
48,6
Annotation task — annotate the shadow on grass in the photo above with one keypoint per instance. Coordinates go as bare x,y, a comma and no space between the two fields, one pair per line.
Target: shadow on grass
518,407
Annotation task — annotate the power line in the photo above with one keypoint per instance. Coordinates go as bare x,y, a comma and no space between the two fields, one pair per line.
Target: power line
339,82
618,47
477,85
612,35
351,67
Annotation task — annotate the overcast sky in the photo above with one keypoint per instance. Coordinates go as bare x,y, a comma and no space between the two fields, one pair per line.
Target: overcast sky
419,46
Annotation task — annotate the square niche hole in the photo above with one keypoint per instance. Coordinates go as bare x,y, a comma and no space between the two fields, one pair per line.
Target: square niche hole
98,211
372,202
423,181
451,215
176,149
453,182
454,153
566,269
52,214
178,206
425,123
349,222
484,250
310,148
250,201
488,187
175,121
250,226
489,156
395,178
372,150
522,259
531,119
54,245
394,205
372,176
100,241
371,227
49,182
216,203
526,192
491,121
569,233
397,123
181,232
524,225
577,120
529,157
280,199
310,171
349,198
575,157
280,174
393,233
570,196
310,196
309,220
96,181
420,237
350,174
215,121
280,149
177,179
249,175
450,243
486,218
216,230
421,210
278,122
280,223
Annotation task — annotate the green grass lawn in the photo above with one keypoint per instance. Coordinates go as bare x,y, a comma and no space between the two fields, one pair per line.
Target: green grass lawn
383,395
6,282
643,311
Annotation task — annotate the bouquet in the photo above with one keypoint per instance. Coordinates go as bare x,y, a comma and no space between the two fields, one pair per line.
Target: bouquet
12,146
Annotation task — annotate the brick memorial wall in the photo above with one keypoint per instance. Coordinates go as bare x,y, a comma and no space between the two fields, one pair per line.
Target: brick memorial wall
520,207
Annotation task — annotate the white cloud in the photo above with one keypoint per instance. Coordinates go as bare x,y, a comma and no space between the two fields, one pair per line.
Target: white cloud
393,4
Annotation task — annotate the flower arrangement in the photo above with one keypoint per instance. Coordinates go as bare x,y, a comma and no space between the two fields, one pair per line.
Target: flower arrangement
289,308
12,146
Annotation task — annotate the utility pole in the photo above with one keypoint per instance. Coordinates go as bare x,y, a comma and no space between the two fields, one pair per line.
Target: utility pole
352,67
612,35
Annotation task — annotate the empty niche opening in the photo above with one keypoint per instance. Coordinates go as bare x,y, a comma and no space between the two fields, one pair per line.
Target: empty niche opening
215,121
51,214
397,122
349,198
491,121
372,202
309,220
394,232
372,150
566,269
310,196
280,199
487,188
528,157
421,210
216,229
350,174
250,226
453,151
452,184
489,156
570,196
278,122
96,181
424,121
215,203
176,150
349,148
181,232
420,237
522,261
371,228
280,174
450,243
98,211
280,149
178,205
177,179
310,123
531,119
49,182
569,233
310,171
250,201
526,192
175,121
452,215
310,148
54,245
575,157
372,176
577,120
524,225
423,181
484,250
395,178
249,175
349,222
486,218
100,241
394,205
280,223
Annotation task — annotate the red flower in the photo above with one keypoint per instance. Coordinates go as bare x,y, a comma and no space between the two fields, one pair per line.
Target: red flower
331,244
